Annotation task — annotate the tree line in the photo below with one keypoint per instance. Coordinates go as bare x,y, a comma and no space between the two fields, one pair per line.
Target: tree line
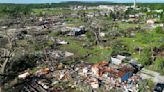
18,10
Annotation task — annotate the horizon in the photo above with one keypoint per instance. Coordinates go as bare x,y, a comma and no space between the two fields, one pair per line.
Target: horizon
60,1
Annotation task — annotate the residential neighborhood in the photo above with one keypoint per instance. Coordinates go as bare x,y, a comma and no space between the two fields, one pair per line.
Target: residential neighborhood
77,46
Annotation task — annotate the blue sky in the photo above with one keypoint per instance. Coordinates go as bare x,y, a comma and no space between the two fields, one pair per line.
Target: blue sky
55,1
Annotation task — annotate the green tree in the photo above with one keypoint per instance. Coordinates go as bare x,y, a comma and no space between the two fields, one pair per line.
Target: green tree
15,11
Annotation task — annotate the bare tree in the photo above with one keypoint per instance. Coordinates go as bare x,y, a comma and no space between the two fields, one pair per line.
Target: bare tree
96,27
8,54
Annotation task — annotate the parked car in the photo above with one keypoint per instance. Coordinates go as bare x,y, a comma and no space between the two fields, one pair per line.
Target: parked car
159,87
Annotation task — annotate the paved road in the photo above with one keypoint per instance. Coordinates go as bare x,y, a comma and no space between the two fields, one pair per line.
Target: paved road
154,76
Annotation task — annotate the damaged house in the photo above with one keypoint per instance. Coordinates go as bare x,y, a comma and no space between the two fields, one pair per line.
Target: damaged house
117,60
122,72
77,31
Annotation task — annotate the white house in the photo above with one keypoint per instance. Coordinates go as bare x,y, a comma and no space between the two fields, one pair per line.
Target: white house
106,7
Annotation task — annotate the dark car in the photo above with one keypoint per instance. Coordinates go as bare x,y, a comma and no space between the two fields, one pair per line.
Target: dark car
159,87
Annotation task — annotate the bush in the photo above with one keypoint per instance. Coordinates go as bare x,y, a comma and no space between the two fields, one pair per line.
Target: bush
159,64
147,85
90,36
145,57
120,48
159,30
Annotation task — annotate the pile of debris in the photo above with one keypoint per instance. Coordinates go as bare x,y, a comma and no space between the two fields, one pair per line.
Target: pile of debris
57,54
84,77
102,74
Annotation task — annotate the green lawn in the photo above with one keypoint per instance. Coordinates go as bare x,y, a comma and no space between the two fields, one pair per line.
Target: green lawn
123,25
98,53
143,40
52,11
